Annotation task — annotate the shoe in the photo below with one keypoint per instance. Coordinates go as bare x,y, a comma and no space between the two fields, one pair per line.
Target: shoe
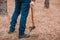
10,32
24,36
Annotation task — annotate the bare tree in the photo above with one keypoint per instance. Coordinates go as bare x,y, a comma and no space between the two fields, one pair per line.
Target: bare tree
3,7
46,4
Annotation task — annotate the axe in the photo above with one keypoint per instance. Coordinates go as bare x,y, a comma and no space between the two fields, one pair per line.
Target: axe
32,18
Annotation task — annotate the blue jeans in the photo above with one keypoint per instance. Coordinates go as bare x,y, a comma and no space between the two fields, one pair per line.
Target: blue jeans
21,7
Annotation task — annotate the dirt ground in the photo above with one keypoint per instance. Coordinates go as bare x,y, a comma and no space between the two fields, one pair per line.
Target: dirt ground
47,22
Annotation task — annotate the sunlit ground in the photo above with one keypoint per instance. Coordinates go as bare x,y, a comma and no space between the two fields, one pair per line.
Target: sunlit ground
47,22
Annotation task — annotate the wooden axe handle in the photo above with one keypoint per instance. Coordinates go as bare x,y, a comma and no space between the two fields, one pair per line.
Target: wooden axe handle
32,16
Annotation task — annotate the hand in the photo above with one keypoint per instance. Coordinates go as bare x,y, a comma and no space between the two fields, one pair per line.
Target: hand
32,4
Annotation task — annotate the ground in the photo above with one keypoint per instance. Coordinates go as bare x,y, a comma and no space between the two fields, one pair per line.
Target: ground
47,22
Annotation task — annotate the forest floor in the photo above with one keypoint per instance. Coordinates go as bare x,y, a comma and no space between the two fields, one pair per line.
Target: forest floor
47,22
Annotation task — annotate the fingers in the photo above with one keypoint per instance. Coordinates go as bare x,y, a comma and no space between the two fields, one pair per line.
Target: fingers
32,4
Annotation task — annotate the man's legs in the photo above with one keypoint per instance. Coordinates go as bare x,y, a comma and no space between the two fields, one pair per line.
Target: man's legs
15,15
24,13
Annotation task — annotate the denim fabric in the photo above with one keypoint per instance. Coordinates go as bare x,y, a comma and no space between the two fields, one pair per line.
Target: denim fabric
21,7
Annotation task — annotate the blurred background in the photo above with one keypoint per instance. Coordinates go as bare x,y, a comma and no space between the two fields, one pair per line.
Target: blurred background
46,18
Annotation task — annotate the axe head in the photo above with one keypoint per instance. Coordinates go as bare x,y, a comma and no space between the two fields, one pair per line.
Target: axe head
31,28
